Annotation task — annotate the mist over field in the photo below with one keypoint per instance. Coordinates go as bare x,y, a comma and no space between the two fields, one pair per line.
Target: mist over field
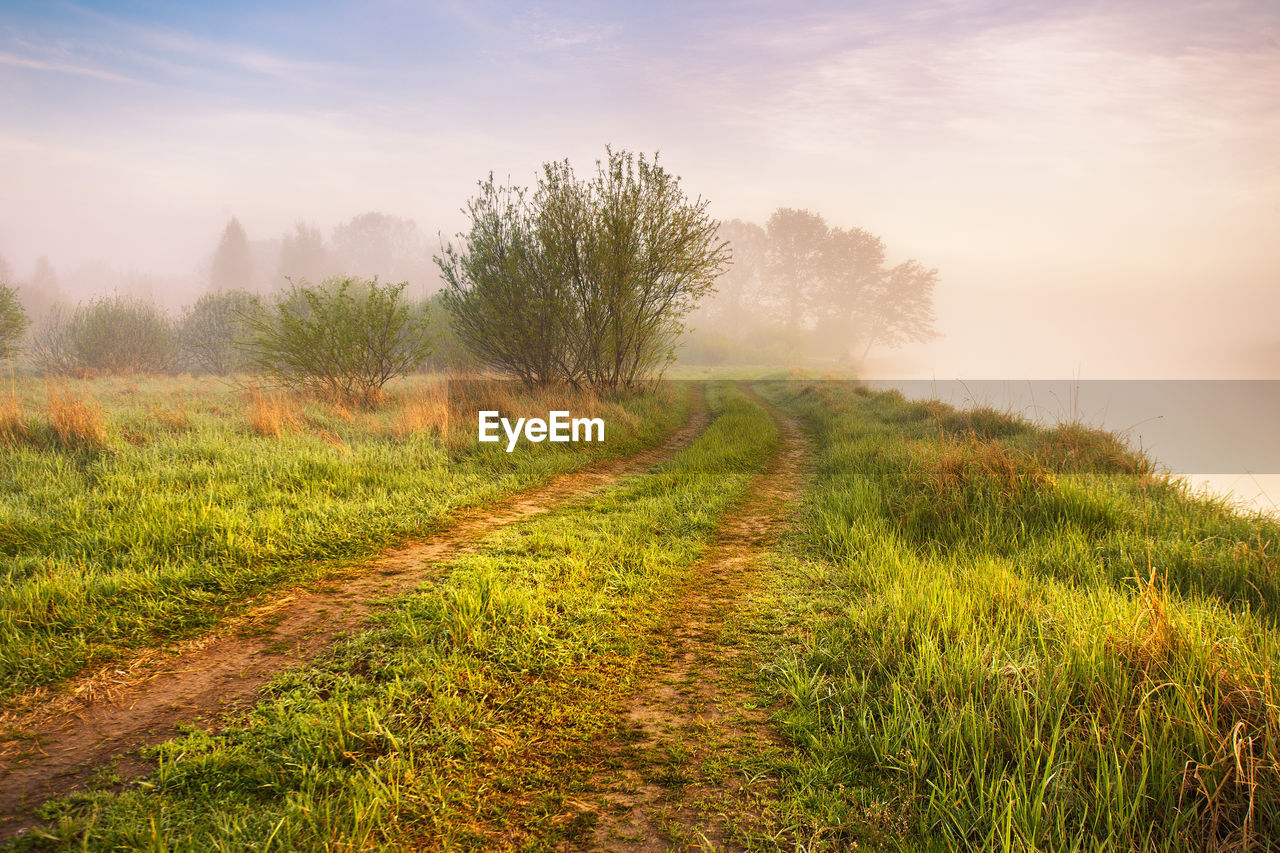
1096,185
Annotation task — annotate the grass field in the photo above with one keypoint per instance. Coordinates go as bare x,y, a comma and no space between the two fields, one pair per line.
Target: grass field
468,716
137,512
1015,638
976,634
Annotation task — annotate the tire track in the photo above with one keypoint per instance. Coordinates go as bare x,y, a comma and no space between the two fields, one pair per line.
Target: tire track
57,747
672,790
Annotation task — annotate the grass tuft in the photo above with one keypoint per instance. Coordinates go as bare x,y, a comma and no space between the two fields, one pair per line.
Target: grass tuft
174,420
269,414
425,411
77,422
14,429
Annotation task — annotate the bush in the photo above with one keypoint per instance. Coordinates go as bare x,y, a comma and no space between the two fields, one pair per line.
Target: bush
342,339
449,352
587,280
114,334
212,331
13,322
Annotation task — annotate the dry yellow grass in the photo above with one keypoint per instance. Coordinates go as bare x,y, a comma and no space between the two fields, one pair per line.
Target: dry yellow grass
13,421
174,420
78,422
425,410
342,412
269,415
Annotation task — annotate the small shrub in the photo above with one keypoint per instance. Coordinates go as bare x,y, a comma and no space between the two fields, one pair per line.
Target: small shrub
13,322
342,340
212,329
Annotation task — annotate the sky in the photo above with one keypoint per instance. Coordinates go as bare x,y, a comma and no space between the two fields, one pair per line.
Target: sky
1098,184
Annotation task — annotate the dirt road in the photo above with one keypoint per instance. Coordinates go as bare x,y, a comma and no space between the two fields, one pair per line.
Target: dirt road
673,789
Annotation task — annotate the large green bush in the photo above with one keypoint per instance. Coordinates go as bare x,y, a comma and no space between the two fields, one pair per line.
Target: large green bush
585,281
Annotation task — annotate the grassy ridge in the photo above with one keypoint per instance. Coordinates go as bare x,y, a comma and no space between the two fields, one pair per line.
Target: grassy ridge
1014,638
473,714
135,512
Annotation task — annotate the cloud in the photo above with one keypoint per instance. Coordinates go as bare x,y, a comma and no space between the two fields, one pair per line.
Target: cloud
62,68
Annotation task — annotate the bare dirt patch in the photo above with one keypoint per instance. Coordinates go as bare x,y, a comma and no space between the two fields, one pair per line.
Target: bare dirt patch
54,742
677,784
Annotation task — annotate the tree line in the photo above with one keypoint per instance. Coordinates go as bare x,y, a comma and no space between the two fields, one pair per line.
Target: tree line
801,288
344,337
583,280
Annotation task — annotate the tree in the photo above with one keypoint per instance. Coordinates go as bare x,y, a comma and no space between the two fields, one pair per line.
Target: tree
858,301
448,352
848,288
303,254
377,244
901,306
41,292
796,255
213,329
232,267
740,288
505,304
13,322
589,280
343,339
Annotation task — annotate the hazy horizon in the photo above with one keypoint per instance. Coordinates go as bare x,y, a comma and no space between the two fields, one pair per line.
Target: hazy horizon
1096,185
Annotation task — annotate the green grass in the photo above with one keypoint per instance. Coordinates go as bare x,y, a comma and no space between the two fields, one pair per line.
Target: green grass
1005,637
165,504
477,709
981,635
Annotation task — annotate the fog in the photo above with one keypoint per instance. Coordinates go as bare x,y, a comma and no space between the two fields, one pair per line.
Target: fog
1096,185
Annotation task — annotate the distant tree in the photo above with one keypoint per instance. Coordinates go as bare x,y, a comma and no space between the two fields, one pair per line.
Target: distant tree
796,255
847,292
6,271
859,302
44,279
232,267
379,245
587,281
41,292
212,331
118,335
303,254
901,308
13,322
740,288
342,339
